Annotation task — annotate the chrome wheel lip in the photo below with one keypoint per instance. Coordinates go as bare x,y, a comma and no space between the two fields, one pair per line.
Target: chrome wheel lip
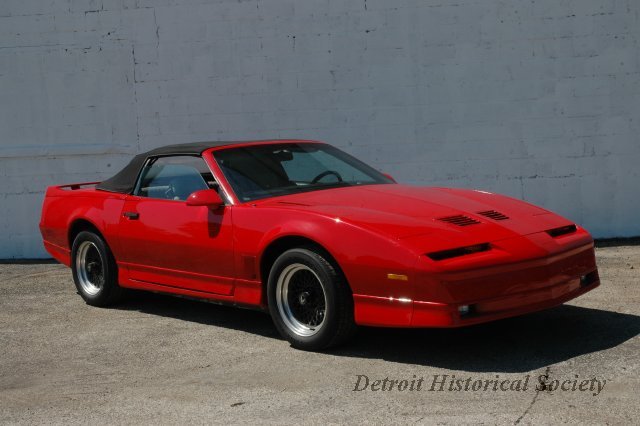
282,301
89,287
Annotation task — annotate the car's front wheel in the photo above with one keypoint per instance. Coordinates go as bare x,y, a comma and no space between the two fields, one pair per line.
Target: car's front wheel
94,270
309,300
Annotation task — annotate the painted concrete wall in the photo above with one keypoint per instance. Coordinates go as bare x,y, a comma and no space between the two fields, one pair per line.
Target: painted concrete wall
536,99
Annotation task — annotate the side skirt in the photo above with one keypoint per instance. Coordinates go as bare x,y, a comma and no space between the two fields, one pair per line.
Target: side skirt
248,294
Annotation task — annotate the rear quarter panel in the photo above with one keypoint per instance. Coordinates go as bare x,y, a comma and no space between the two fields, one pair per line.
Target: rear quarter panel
62,207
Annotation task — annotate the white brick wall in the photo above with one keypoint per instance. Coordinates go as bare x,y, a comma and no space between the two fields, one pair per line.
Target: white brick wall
536,99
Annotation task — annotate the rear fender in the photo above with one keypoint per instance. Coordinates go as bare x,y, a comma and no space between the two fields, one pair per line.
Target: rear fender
62,208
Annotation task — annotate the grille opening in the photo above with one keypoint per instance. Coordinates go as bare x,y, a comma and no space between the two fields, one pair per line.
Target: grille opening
457,252
563,230
459,220
492,214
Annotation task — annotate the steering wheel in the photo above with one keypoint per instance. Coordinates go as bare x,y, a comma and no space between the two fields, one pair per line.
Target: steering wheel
326,173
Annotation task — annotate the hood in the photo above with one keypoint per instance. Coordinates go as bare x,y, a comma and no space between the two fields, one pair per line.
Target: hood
404,211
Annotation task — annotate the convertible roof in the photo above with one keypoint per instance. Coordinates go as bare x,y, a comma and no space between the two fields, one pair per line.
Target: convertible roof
125,180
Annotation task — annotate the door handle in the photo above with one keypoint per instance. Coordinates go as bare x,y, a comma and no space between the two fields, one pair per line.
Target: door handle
131,215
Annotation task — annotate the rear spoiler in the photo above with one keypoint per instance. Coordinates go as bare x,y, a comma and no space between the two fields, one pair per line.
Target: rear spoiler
59,190
74,186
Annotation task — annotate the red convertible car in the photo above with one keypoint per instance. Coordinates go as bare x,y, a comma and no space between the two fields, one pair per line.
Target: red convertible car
319,239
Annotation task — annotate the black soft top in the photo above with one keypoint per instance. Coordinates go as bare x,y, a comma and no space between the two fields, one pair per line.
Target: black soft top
125,180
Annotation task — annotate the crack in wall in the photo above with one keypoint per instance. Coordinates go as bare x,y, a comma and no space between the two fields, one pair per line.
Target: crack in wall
135,96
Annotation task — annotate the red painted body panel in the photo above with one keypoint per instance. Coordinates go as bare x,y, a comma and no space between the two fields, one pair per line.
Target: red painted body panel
192,245
63,206
370,231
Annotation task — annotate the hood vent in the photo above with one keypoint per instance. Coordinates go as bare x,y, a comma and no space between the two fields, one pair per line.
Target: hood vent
563,230
459,220
492,214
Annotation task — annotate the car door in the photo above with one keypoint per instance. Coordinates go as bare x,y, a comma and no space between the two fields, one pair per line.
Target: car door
167,242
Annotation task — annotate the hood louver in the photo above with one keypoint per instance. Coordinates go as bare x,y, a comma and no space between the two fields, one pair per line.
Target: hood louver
492,214
563,230
459,220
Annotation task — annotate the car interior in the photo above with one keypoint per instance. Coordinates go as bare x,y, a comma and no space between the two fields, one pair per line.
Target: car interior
173,181
254,173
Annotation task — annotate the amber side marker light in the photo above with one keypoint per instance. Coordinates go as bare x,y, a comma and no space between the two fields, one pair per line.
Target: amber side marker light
563,230
398,277
457,252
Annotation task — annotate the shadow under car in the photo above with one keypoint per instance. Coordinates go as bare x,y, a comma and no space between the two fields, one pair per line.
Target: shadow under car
512,345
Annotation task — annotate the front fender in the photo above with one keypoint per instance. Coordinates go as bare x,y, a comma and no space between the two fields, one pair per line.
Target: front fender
365,257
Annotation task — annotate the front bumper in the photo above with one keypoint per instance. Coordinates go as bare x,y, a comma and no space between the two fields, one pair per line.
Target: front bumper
490,293
427,314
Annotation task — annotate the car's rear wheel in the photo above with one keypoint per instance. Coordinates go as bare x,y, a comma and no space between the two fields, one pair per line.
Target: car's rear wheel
94,270
309,300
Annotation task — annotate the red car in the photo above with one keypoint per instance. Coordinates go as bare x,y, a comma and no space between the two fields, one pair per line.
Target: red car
320,239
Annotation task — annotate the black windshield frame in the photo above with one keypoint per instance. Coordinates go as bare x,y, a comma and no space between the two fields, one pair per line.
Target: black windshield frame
222,157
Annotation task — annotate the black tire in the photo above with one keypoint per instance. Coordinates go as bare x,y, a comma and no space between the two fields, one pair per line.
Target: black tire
94,270
337,322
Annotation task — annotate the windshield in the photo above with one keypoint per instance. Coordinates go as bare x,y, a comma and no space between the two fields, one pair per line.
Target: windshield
262,171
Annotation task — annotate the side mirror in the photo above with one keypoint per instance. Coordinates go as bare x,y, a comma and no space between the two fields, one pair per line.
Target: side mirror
205,197
387,175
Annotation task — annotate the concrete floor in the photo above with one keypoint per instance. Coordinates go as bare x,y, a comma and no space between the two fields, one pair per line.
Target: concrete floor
158,359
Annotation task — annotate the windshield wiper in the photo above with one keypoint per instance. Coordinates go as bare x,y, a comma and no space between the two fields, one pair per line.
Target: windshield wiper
329,185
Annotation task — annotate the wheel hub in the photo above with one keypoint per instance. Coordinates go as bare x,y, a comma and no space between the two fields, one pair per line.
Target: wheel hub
303,298
89,267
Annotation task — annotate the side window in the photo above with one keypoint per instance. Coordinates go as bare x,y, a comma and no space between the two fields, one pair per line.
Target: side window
174,178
